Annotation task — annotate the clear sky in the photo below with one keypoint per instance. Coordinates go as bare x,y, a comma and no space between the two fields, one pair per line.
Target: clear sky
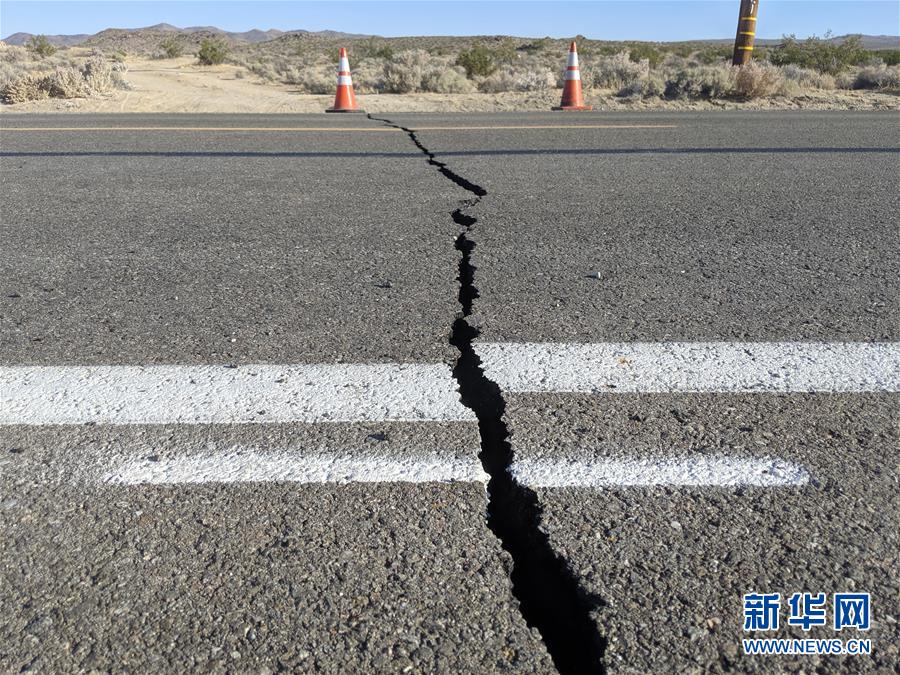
600,19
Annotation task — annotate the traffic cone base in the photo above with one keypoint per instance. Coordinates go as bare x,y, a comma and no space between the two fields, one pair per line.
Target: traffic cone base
344,98
572,98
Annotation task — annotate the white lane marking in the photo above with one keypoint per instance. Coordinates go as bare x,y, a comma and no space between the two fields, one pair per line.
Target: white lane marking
219,394
695,471
718,367
237,466
242,465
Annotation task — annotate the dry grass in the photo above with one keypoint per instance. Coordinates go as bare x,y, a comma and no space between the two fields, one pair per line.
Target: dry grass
757,80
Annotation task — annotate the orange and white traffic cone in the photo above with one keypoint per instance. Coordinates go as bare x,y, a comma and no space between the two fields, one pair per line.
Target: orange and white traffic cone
572,98
344,99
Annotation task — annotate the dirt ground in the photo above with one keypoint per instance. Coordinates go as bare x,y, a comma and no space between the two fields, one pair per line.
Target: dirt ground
180,85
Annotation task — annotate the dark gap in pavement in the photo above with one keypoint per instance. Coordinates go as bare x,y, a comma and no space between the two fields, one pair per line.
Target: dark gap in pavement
550,597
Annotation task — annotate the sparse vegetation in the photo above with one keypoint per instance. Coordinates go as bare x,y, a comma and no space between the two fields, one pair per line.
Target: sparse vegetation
478,61
170,48
403,73
700,82
877,77
627,70
758,80
40,46
212,52
820,54
24,79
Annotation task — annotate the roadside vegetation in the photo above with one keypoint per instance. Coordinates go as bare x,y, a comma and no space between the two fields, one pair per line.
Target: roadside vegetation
29,73
630,71
673,71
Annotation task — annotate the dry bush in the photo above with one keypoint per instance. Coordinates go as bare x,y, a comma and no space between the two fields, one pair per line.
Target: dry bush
518,78
98,77
447,81
28,87
757,80
317,81
876,77
616,71
403,73
700,82
806,78
652,86
68,83
264,70
500,81
368,75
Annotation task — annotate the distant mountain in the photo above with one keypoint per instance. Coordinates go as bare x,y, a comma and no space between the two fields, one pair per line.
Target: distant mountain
140,40
161,29
878,41
20,39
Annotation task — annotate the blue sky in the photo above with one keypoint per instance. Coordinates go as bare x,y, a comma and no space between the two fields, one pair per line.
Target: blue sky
599,19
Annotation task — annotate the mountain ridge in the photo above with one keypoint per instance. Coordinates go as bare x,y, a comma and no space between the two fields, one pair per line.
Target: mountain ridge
257,35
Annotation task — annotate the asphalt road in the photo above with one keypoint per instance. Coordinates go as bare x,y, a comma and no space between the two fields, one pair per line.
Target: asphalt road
240,240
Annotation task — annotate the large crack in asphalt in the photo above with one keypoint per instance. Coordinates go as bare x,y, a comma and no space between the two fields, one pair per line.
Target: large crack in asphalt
550,597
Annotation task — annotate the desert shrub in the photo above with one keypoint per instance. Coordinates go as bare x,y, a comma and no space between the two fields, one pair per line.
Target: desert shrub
403,74
264,70
373,49
534,79
478,61
540,45
447,81
505,51
757,80
643,51
806,78
98,77
677,62
876,77
890,57
819,53
502,80
28,87
171,48
704,82
40,46
68,83
714,54
617,71
652,86
518,78
212,52
317,81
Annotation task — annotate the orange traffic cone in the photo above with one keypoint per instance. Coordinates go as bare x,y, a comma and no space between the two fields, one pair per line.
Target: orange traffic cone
572,98
344,99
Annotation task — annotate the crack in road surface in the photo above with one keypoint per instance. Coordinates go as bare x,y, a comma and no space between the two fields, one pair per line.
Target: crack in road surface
550,597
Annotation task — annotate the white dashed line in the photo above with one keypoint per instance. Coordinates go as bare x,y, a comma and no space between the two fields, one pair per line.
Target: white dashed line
237,466
241,465
716,367
223,395
697,471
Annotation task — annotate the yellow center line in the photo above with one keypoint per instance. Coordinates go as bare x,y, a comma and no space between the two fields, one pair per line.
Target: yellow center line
345,129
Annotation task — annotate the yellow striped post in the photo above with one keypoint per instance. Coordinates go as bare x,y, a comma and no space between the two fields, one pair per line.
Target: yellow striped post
746,32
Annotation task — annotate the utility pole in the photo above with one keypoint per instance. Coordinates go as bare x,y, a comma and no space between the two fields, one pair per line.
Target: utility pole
746,32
